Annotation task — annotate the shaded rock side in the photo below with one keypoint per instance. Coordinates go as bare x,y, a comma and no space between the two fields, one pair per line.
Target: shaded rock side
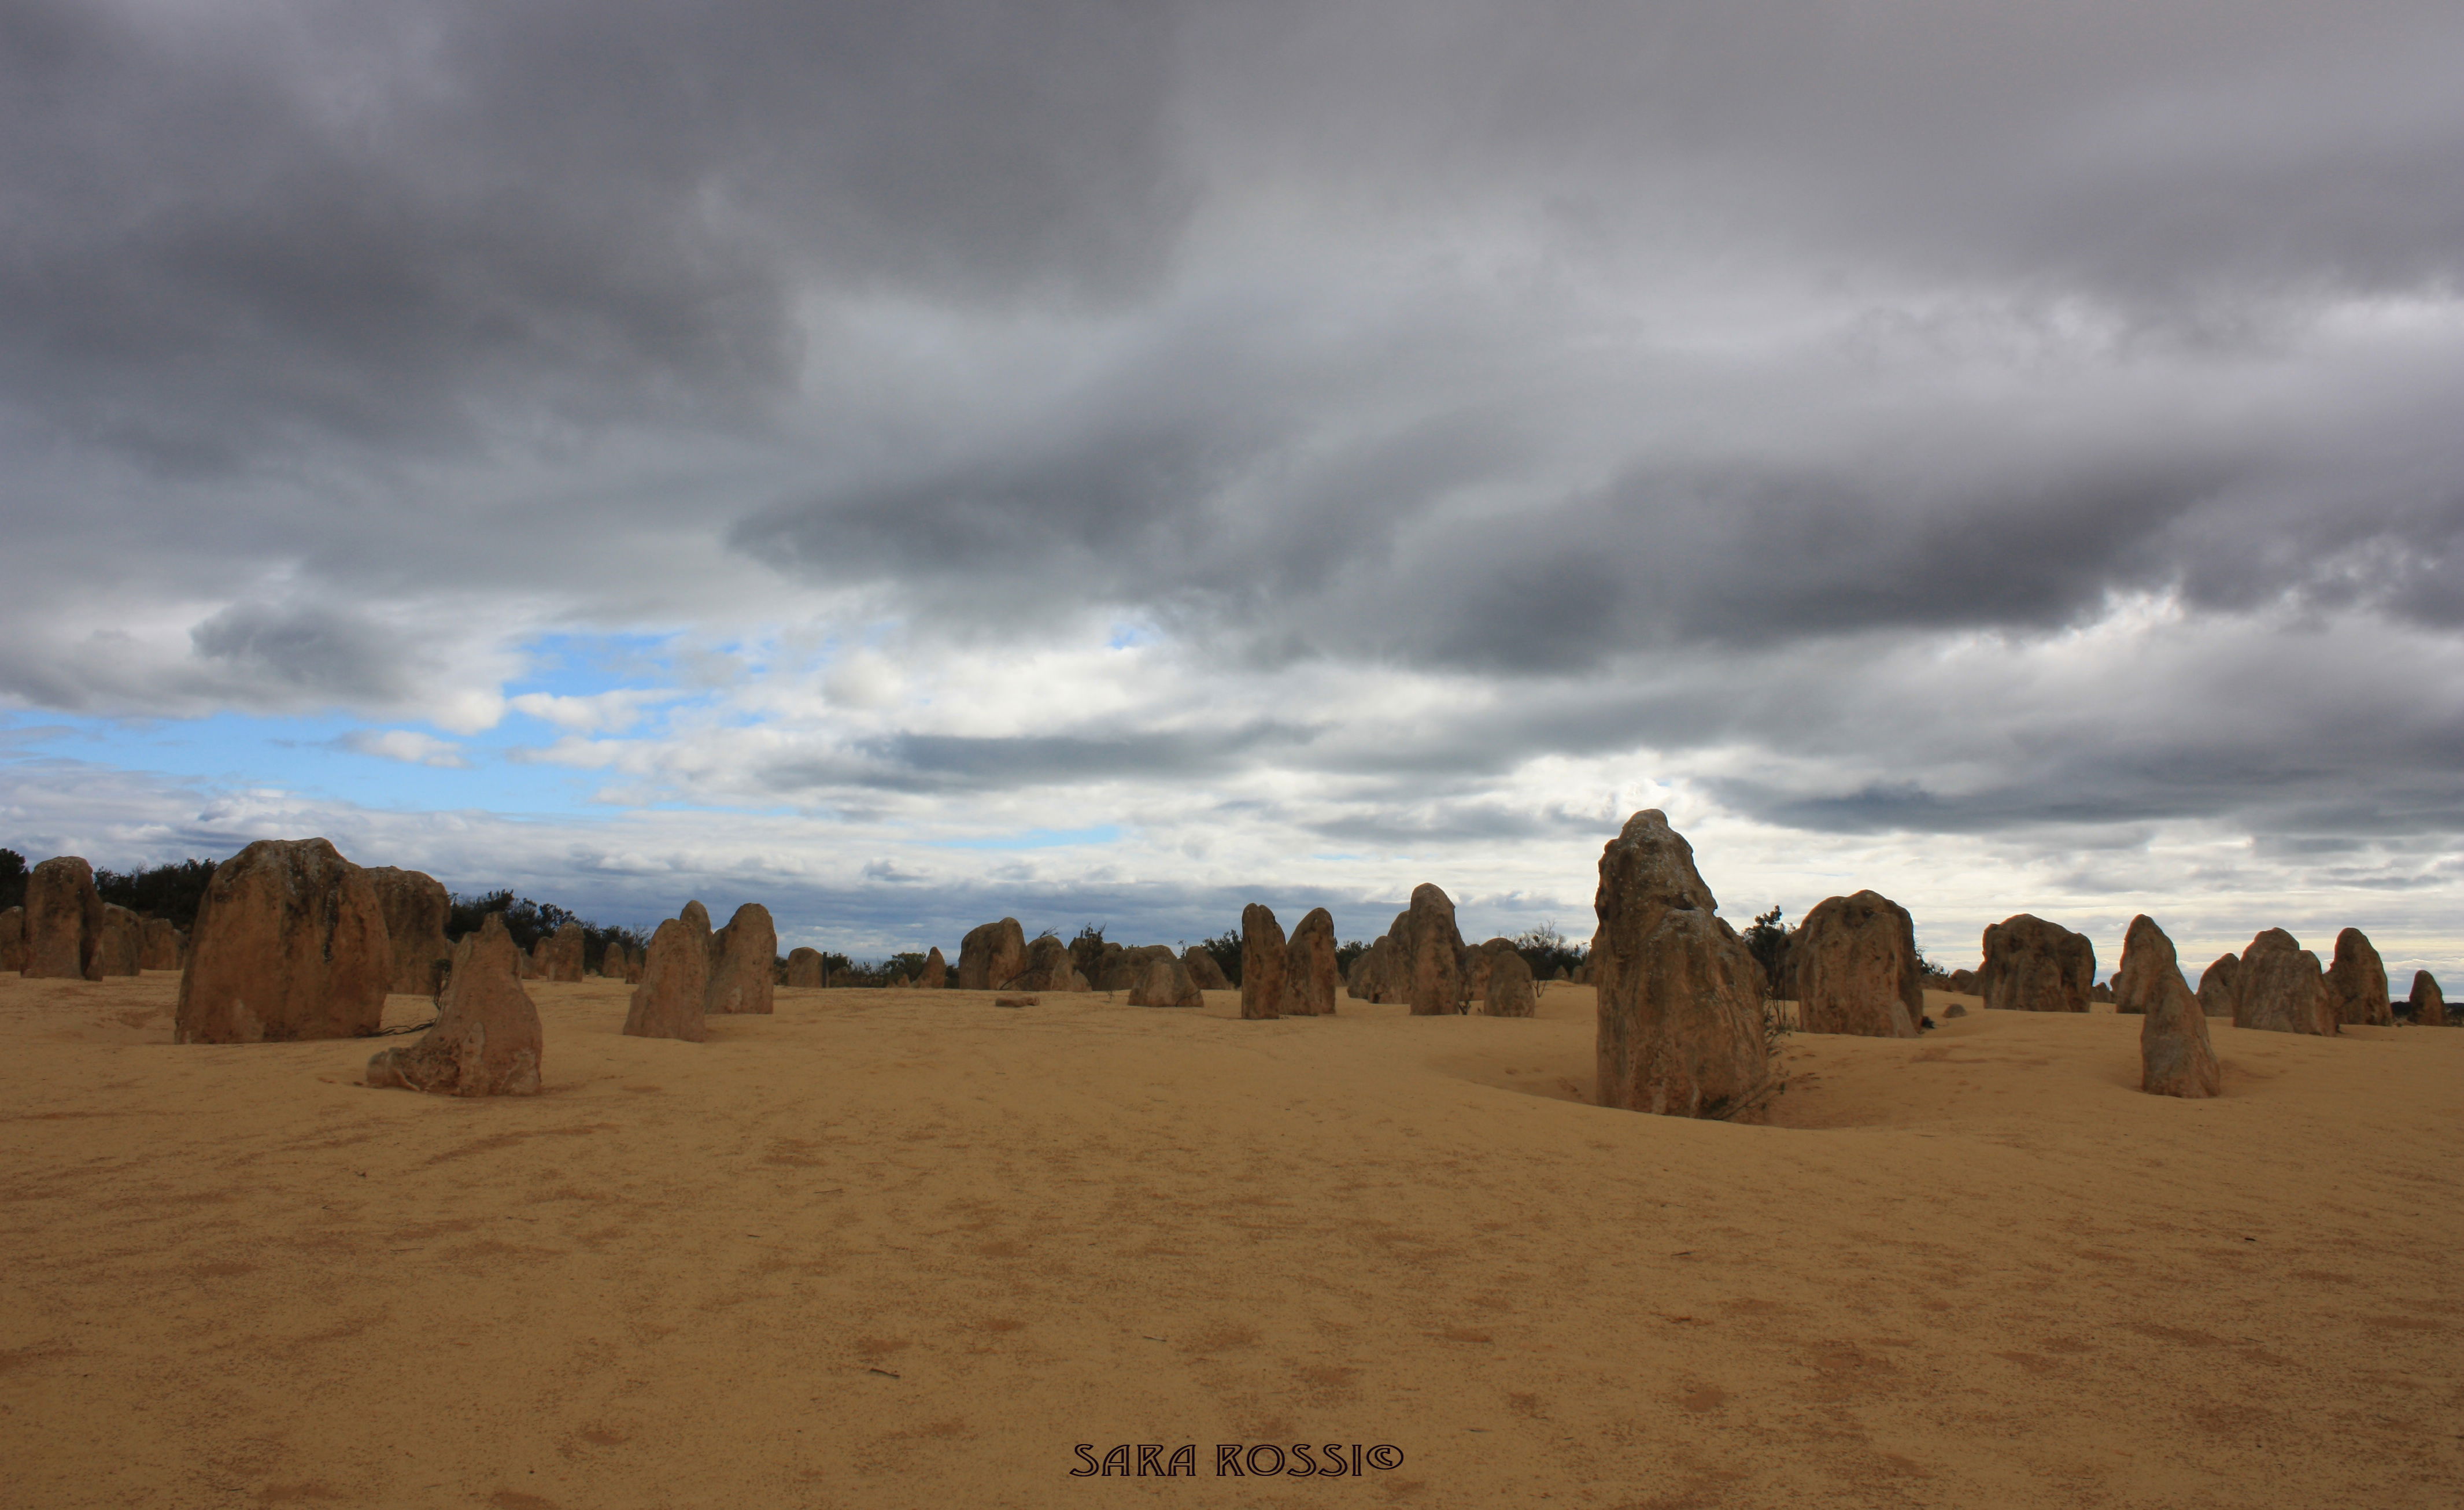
1508,992
1963,982
1434,957
1680,1027
675,974
805,969
2429,1003
1854,960
742,955
415,907
63,921
2175,1058
2357,982
988,957
1123,967
1203,970
2281,989
163,947
290,943
12,940
1165,983
2035,965
121,949
487,1040
1264,955
936,971
2219,986
615,960
1309,975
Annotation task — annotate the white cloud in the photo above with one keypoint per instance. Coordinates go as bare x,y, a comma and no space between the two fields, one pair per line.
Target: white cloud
406,745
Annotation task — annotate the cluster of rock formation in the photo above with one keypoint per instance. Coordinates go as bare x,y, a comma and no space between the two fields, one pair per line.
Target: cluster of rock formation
1681,998
2174,1055
692,972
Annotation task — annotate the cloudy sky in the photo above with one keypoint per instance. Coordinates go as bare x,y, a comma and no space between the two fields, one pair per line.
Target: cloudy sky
1102,461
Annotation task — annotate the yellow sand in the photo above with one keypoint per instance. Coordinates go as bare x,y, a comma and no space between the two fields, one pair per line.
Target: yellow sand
893,1249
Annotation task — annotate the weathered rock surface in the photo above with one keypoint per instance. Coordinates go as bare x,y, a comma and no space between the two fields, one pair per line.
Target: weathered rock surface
988,957
615,960
1165,983
2357,982
1955,1009
1854,960
675,976
805,969
1509,991
2429,1003
1047,967
1264,955
742,954
120,951
1433,956
1203,970
936,971
487,1040
560,954
1374,974
1309,975
12,940
1963,982
2219,984
290,943
63,921
415,906
2175,1058
165,946
1680,1027
2035,965
2281,989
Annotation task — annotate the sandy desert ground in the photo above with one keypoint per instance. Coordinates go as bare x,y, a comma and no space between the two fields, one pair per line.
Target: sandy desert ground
892,1249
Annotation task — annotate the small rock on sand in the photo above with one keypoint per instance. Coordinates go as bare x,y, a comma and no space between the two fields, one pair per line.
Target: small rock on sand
487,1040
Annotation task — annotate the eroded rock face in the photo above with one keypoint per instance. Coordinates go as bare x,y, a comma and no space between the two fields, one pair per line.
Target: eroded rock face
675,975
487,1040
164,945
63,921
1435,958
1378,974
560,954
988,957
120,951
1309,975
742,960
1963,982
2035,965
2281,989
1681,1028
1047,967
615,960
415,907
290,943
805,969
2219,984
1203,970
1165,983
936,971
1854,963
1264,953
2175,1058
12,940
2357,982
1509,991
2429,1003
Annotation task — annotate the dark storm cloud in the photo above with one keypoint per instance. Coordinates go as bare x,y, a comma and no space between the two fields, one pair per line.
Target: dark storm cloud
235,230
952,764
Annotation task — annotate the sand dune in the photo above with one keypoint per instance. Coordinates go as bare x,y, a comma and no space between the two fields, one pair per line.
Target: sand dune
893,1248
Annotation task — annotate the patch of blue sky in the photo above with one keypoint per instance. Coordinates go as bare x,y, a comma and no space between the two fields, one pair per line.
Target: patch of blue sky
311,756
581,665
1127,636
1038,839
